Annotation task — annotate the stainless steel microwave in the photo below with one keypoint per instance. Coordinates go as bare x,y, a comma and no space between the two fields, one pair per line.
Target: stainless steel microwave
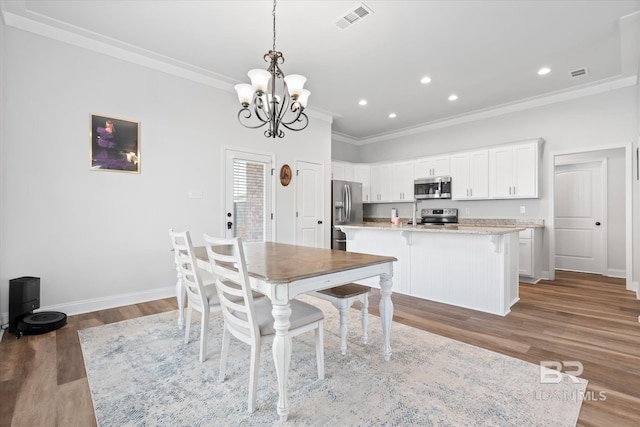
435,187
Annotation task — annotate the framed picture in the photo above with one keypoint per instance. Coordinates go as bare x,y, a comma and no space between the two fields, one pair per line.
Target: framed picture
285,175
115,144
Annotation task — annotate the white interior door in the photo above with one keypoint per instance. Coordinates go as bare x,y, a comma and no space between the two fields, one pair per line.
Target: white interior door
579,220
309,204
248,196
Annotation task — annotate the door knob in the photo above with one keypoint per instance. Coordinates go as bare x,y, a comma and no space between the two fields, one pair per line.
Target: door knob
319,222
229,225
597,222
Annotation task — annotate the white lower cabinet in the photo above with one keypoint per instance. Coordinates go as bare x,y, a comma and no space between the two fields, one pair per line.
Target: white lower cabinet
529,255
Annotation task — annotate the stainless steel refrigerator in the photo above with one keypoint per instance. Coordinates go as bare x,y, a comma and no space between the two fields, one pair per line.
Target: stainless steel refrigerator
346,208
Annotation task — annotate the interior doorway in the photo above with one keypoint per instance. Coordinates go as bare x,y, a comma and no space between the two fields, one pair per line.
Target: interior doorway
580,215
310,204
572,189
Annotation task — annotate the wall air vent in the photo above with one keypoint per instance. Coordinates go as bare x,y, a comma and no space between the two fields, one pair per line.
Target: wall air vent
353,16
580,72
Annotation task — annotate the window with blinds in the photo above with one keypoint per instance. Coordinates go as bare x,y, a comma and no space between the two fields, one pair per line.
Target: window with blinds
249,201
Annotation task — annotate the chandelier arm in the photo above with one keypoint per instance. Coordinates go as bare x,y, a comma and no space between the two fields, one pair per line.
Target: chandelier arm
263,114
244,119
302,118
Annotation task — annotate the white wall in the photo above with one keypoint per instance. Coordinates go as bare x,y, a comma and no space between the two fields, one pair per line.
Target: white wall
607,118
102,236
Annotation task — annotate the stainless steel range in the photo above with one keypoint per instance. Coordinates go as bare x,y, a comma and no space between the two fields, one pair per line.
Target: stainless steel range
438,216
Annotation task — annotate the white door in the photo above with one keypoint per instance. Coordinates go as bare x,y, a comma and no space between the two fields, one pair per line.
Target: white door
579,221
248,196
309,204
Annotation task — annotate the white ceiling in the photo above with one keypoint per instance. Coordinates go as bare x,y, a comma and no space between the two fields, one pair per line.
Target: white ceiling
487,52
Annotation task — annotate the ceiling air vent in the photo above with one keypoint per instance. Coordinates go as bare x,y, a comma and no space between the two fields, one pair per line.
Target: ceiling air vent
580,72
353,16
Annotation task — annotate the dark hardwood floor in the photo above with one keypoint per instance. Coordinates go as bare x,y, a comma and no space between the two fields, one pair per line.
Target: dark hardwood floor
577,317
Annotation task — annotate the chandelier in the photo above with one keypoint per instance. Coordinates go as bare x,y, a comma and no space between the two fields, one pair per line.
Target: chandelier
260,104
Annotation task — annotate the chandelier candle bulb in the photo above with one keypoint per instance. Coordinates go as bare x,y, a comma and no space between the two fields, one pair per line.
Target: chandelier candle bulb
245,93
304,97
295,83
259,79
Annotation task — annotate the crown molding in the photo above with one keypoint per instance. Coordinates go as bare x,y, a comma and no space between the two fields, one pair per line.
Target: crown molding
133,54
587,90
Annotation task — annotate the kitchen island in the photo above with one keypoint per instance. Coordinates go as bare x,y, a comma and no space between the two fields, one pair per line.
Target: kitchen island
467,266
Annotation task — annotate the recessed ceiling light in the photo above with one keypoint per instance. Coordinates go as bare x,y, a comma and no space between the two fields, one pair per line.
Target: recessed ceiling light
393,115
544,70
362,102
453,97
425,80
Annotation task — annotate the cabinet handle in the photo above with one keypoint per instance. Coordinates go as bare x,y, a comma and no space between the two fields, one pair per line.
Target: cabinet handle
471,192
509,190
514,190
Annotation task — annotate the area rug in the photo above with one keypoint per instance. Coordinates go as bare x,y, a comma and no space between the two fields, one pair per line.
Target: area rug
142,374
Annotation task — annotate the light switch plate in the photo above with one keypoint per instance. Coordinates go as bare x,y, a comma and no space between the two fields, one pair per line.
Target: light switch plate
522,209
195,194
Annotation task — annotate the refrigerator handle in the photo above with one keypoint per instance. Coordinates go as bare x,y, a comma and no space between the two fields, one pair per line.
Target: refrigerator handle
348,201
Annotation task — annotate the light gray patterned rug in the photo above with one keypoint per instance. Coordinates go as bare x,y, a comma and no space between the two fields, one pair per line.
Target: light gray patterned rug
141,374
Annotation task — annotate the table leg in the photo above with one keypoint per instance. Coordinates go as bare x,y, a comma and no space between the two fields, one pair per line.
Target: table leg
386,313
181,296
282,354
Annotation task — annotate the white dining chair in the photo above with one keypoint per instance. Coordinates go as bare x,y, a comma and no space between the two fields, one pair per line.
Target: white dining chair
199,285
342,297
250,320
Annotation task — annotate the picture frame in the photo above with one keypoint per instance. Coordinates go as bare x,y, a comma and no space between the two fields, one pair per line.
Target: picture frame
114,144
285,175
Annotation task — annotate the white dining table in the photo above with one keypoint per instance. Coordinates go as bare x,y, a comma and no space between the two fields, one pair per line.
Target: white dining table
282,272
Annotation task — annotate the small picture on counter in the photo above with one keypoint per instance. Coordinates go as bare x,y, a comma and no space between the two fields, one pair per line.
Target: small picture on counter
114,144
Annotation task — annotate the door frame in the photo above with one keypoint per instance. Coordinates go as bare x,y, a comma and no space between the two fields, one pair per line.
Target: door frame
224,183
604,243
628,206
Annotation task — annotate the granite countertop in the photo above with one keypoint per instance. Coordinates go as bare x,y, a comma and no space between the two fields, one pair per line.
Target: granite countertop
448,228
479,222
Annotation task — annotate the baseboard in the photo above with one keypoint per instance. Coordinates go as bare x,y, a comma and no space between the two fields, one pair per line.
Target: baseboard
528,279
86,306
616,272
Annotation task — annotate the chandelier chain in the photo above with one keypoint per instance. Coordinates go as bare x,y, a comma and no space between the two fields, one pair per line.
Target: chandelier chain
274,25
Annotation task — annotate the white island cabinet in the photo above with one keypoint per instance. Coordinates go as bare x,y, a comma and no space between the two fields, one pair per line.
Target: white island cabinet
466,266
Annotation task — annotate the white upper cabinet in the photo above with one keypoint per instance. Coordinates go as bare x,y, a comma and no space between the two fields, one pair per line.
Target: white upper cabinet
342,170
513,171
362,173
502,172
470,175
380,183
432,166
402,182
337,170
392,182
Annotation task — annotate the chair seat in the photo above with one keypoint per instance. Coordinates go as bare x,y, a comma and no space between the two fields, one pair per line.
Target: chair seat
345,291
342,297
301,314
